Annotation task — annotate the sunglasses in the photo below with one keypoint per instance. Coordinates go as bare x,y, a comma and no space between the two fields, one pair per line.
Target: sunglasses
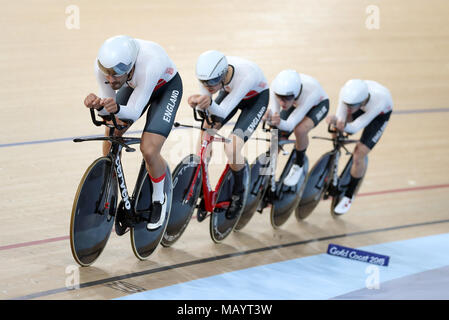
212,82
286,98
354,105
116,71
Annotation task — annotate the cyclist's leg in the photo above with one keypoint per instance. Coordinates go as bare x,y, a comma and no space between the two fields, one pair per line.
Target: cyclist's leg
310,121
160,117
252,112
370,136
284,135
150,147
250,117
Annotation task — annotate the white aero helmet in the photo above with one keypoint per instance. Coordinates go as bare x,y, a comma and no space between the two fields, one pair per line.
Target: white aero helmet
117,55
287,83
211,67
354,92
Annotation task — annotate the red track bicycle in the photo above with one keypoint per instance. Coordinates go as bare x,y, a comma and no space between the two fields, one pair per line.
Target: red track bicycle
191,183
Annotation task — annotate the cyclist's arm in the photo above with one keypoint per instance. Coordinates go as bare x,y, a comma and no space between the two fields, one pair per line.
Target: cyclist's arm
105,90
141,94
362,121
233,98
273,105
299,113
342,111
203,90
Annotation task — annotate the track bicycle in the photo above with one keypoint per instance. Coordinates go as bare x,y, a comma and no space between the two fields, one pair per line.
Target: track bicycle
95,204
323,180
265,191
191,183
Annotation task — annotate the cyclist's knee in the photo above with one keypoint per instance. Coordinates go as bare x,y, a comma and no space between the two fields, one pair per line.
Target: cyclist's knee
150,151
359,154
303,128
233,149
149,154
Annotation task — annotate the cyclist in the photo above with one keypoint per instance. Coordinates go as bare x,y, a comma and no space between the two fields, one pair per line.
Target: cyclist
137,76
363,104
241,85
297,104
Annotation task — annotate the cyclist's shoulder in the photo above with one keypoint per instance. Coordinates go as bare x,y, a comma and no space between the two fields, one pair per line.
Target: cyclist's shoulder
149,51
379,93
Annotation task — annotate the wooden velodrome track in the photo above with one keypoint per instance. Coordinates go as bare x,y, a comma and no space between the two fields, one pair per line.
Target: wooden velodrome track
47,71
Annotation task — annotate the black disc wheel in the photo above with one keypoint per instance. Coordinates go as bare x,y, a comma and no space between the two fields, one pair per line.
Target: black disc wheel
288,197
143,241
259,181
183,204
93,212
220,225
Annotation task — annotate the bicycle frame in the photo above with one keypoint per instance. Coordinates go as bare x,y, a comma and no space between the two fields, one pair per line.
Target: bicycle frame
210,195
117,145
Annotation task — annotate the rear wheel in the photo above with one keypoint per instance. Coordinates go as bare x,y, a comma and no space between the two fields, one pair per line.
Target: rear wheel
343,182
143,241
93,212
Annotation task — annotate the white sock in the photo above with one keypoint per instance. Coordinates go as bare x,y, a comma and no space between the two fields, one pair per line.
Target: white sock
158,188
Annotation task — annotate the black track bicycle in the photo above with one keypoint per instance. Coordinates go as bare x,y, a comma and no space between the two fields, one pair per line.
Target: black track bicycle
96,206
265,191
323,180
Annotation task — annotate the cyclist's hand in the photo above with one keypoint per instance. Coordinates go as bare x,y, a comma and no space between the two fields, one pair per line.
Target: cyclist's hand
92,101
204,101
193,100
267,116
340,125
275,119
109,105
332,119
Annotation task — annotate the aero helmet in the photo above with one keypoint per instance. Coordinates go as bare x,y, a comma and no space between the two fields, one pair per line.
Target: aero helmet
117,55
354,92
211,67
287,83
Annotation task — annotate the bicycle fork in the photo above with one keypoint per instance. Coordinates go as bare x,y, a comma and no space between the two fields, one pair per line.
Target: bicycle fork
103,203
127,202
333,174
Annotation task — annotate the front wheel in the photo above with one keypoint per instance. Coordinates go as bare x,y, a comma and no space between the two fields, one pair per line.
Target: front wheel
287,199
259,180
93,212
315,185
181,212
220,226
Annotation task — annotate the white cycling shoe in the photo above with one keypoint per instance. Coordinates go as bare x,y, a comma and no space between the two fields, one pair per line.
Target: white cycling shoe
344,205
293,176
158,213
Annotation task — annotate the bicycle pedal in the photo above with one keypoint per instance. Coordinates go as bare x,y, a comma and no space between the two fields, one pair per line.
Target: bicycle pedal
121,227
201,215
